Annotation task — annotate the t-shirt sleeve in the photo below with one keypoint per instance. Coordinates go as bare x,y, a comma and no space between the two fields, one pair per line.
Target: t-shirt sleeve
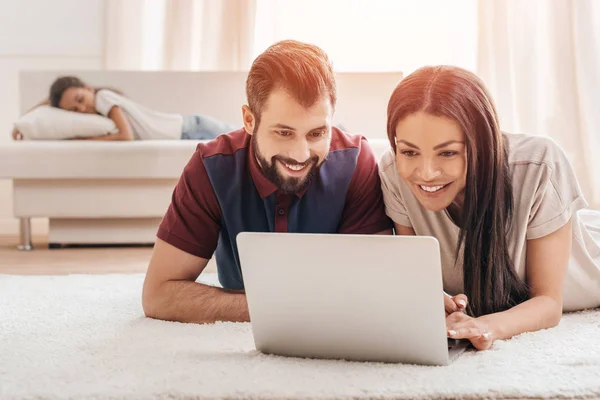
106,100
364,211
558,195
394,204
193,220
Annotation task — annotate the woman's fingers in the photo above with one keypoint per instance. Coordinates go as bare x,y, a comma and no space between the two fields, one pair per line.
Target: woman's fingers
461,326
456,303
461,301
449,304
466,332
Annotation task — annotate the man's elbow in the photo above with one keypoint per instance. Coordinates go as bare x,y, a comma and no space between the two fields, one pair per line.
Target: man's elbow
149,308
150,302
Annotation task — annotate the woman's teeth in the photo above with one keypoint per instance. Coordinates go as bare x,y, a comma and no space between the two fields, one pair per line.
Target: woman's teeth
431,189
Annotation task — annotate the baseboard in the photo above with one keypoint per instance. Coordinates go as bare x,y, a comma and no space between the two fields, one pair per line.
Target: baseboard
10,227
103,230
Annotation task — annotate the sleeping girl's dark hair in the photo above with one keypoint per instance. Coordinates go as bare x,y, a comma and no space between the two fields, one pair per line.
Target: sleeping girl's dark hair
61,84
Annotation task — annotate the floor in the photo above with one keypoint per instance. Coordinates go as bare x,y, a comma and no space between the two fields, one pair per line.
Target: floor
44,261
95,260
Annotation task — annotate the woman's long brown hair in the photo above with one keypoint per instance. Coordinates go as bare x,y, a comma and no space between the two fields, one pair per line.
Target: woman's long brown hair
490,280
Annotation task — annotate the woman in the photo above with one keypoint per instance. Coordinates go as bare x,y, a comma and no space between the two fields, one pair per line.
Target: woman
133,120
504,208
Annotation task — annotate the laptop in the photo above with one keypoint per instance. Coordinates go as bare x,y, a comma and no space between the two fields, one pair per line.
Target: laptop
354,297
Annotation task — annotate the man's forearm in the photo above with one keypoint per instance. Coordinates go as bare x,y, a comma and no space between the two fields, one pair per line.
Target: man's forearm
185,301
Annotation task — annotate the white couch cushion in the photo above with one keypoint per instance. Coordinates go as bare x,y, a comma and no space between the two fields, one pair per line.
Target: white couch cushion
94,159
146,159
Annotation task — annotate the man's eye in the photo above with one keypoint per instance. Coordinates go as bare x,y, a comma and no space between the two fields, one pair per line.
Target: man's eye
318,134
284,133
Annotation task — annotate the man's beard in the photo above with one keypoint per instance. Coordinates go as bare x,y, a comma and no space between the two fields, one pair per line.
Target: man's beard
286,184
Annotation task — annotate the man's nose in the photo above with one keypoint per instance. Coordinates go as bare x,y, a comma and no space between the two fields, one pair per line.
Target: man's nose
300,151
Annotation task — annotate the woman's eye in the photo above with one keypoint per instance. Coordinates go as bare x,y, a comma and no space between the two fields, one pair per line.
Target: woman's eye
448,153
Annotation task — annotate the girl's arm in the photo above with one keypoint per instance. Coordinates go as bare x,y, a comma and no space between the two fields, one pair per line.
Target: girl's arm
125,132
45,102
547,259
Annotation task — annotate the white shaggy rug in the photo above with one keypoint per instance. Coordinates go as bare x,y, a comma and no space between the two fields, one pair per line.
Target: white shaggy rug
85,337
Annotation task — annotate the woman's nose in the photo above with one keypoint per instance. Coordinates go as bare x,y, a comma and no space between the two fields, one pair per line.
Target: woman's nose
429,171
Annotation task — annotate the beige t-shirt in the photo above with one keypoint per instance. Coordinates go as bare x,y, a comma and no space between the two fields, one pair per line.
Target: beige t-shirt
147,124
546,194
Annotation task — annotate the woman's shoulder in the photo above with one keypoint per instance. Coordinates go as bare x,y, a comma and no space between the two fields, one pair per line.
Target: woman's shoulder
387,161
388,172
534,150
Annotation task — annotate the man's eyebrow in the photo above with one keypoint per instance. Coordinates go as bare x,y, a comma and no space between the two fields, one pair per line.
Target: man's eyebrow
289,128
282,126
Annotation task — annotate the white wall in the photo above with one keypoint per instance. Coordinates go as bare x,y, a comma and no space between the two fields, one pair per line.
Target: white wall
38,35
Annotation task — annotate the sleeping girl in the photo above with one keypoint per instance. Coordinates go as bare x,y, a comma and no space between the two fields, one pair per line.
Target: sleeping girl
133,120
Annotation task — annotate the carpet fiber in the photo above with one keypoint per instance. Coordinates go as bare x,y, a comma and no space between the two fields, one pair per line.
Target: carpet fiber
85,337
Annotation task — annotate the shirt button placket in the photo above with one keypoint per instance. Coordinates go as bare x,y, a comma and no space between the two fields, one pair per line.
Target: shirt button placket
281,223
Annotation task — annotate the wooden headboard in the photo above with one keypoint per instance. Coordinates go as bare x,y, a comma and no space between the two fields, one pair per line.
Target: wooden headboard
361,107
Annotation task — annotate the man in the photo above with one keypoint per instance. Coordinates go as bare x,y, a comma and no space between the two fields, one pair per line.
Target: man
287,170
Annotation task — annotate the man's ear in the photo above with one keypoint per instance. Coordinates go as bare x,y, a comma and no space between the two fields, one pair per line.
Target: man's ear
248,118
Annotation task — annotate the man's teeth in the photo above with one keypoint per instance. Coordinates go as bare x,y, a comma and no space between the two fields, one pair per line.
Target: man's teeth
431,189
294,167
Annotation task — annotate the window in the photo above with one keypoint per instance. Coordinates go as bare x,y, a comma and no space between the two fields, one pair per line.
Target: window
375,35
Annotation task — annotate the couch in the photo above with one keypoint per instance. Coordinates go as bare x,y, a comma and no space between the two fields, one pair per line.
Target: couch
117,192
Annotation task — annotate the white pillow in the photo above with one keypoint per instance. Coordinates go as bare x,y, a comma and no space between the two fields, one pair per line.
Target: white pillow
52,123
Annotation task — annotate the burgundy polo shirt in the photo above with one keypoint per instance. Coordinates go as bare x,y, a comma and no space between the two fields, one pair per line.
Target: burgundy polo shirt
223,192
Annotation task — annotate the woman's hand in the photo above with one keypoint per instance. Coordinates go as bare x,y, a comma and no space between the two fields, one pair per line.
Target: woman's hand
454,304
461,326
